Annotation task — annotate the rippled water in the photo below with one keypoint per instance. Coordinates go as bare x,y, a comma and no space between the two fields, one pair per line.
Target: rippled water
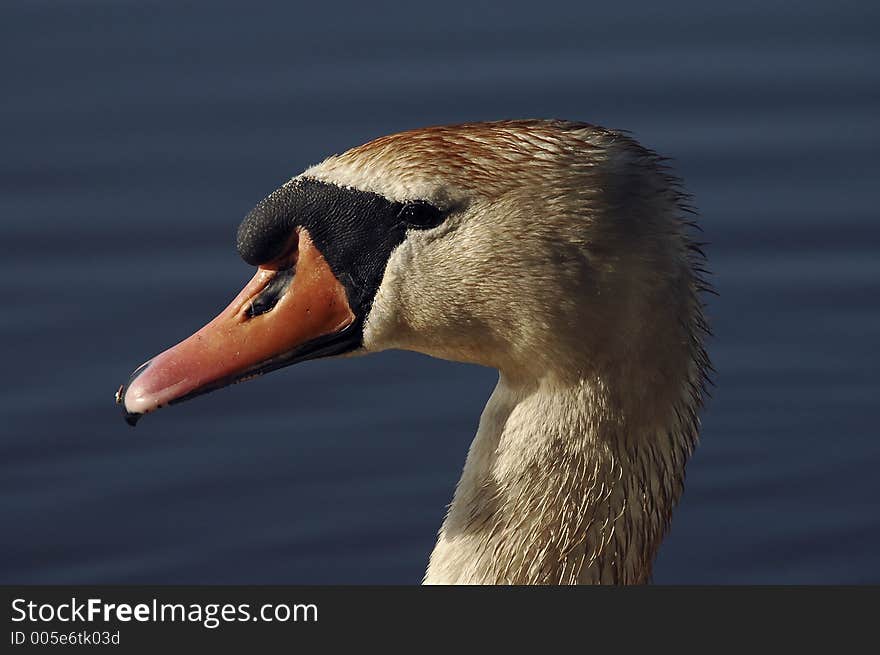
135,136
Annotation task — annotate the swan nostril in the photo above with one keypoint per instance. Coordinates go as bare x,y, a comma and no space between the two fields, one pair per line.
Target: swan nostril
269,297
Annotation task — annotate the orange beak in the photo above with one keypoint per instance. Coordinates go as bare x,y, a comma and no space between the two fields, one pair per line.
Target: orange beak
293,309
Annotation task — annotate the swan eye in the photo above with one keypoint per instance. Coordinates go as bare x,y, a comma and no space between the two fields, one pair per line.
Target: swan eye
421,215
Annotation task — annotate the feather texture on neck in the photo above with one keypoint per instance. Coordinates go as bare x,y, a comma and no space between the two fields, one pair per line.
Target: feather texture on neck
561,488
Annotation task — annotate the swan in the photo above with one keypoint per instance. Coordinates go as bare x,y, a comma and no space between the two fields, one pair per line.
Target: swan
558,253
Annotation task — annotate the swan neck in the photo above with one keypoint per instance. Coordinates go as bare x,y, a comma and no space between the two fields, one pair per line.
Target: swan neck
563,483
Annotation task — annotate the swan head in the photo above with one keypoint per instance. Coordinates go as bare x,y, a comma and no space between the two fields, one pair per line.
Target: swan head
540,248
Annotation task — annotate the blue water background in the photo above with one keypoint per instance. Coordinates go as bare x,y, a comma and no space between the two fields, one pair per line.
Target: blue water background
134,136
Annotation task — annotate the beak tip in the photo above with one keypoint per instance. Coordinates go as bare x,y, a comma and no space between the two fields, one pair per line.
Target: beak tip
130,417
133,408
135,405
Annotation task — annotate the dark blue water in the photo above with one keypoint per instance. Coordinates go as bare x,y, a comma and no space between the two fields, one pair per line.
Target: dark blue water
135,136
